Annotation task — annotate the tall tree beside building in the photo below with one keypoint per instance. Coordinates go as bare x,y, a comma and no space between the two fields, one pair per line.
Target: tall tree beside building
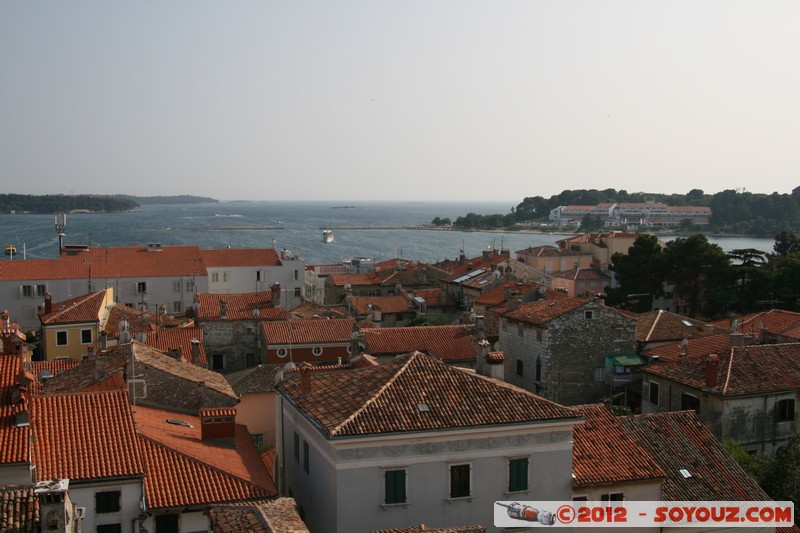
701,273
640,272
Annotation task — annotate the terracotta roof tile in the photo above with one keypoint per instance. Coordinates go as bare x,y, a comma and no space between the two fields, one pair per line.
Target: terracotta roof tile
657,326
72,433
679,440
278,515
496,357
777,321
111,262
605,452
139,320
497,295
181,338
433,297
354,280
543,311
241,461
695,347
240,257
582,274
19,509
414,393
13,440
312,310
239,306
549,251
447,343
307,331
388,304
744,371
253,380
86,308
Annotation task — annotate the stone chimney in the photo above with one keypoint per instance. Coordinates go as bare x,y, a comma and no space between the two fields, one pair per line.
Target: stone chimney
218,425
712,367
512,300
276,294
175,353
196,352
736,340
223,308
305,379
48,303
377,314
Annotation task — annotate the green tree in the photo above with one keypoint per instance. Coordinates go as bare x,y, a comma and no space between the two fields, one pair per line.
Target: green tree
591,223
782,474
701,273
751,283
640,272
753,464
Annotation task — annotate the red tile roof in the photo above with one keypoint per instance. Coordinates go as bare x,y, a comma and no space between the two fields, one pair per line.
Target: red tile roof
239,306
388,304
660,325
543,311
73,433
13,440
745,371
777,321
414,393
19,509
549,251
312,310
240,257
139,320
605,452
180,338
354,280
497,295
113,263
86,308
695,347
232,472
679,440
279,515
308,331
433,297
496,357
582,274
447,343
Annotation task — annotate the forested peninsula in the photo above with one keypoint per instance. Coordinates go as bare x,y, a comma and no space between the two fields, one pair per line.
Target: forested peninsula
91,203
734,212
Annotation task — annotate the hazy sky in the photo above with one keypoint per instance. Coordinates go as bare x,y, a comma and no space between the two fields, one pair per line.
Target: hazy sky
407,100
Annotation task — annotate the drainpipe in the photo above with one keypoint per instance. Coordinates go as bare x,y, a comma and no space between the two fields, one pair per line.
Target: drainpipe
764,426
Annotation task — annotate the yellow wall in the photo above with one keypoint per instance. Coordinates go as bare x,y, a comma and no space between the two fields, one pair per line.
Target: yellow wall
74,348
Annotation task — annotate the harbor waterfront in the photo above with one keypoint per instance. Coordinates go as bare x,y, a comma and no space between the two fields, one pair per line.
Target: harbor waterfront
375,230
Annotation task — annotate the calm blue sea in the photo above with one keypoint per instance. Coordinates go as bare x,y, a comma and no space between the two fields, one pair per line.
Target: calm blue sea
301,224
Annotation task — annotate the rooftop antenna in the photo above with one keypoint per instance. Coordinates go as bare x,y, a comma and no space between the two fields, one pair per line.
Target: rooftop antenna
61,225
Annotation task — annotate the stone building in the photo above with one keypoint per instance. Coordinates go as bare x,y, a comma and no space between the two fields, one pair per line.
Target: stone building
558,348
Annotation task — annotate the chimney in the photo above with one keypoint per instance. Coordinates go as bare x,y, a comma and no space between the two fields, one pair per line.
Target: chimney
218,425
462,258
175,353
512,300
305,379
223,308
6,316
276,294
377,315
196,352
48,303
737,340
103,339
712,366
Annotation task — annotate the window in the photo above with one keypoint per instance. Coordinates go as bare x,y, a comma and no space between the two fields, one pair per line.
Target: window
109,528
141,287
189,285
176,286
394,483
459,481
317,350
297,292
654,392
599,374
250,359
258,275
215,277
177,306
613,497
26,291
106,502
520,367
538,368
518,474
86,336
258,439
41,290
296,275
581,498
689,402
305,456
296,447
225,276
217,361
588,315
61,338
281,352
167,523
784,410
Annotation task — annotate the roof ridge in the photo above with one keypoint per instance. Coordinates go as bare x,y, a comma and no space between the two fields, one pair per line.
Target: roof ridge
375,396
653,325
728,371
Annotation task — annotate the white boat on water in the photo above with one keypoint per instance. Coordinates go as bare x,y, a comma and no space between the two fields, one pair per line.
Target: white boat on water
327,235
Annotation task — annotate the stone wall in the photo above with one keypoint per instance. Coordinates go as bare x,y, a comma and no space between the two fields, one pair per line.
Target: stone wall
233,339
161,389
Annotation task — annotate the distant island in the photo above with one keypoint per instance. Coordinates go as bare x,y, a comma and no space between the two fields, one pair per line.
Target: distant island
733,212
87,203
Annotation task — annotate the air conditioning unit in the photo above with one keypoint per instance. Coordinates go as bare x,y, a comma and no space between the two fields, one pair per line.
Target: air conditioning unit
80,513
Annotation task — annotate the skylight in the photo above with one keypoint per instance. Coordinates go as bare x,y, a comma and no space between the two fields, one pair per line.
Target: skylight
685,473
423,407
176,422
